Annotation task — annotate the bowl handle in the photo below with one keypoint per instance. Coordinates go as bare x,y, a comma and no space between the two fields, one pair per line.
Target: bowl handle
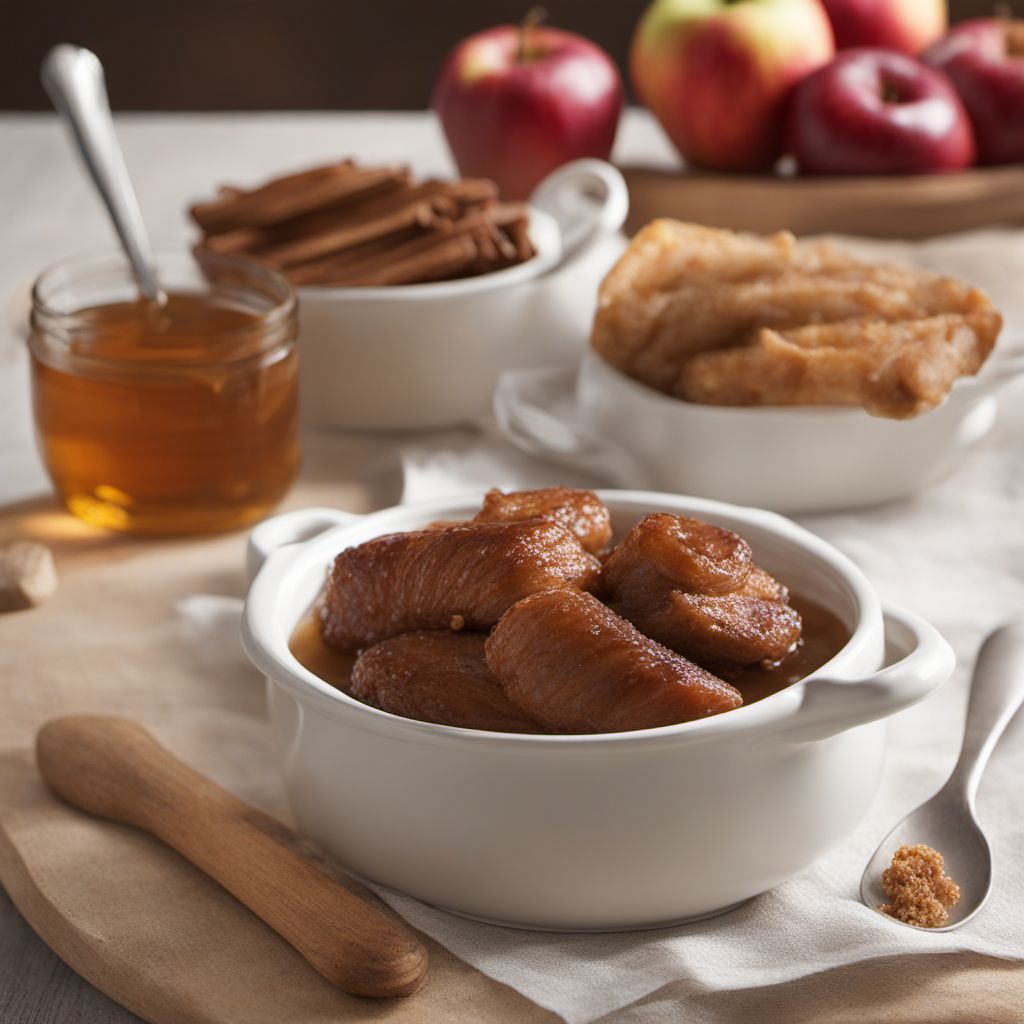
289,528
524,408
569,195
830,706
994,377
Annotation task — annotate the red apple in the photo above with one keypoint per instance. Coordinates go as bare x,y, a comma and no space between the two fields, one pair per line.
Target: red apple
984,60
516,102
716,73
878,112
905,25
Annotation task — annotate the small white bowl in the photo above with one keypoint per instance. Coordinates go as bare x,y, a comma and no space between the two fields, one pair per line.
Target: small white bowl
607,831
428,355
789,459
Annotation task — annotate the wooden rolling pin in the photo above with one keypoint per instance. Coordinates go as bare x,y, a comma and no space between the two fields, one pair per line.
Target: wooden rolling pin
114,768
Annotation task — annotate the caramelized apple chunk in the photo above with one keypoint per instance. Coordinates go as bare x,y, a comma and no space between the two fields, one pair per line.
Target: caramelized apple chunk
574,666
471,573
723,318
694,587
436,677
580,512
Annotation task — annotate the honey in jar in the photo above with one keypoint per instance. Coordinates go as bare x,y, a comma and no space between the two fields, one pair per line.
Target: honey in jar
170,418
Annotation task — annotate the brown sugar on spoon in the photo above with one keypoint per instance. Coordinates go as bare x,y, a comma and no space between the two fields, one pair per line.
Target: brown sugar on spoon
920,892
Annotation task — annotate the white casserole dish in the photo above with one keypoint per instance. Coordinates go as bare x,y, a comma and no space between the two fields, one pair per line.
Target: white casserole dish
788,459
428,355
613,831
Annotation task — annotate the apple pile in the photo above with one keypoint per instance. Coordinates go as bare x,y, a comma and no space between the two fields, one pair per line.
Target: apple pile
737,84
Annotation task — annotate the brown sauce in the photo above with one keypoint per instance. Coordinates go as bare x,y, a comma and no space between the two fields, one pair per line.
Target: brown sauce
824,635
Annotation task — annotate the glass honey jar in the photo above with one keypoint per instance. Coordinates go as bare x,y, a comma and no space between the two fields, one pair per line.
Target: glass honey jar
166,419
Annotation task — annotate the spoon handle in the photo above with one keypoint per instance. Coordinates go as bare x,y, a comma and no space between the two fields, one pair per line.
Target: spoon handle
997,691
73,79
114,768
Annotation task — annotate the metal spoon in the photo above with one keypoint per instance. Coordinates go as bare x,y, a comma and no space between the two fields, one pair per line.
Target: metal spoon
947,822
73,79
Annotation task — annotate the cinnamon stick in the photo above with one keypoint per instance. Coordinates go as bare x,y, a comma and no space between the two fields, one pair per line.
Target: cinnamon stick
347,225
452,256
288,197
417,214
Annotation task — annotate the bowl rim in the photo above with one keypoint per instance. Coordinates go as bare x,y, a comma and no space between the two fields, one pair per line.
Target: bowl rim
545,234
272,656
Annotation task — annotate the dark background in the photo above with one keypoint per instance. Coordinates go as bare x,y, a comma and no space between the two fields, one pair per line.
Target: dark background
281,54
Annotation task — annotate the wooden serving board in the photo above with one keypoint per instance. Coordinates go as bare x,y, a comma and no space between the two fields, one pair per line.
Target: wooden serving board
878,207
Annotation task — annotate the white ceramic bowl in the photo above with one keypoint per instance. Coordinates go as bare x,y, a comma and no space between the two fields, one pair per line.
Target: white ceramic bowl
612,831
789,459
428,355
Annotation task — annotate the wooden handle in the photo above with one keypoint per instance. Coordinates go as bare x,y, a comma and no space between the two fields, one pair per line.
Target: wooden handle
114,768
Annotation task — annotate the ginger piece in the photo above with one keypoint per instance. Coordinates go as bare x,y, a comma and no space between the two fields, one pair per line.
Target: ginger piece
27,575
920,892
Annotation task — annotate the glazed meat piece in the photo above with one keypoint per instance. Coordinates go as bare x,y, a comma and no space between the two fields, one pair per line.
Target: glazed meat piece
467,574
574,666
694,587
582,513
437,677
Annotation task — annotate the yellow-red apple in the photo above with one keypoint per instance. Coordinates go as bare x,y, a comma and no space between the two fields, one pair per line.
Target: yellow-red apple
716,73
905,25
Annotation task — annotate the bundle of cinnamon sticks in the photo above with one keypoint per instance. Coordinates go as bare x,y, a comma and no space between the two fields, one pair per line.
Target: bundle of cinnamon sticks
347,225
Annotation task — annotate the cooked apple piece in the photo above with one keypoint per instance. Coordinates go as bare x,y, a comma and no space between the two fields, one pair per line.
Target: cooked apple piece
574,666
439,677
580,512
732,319
694,587
471,573
896,370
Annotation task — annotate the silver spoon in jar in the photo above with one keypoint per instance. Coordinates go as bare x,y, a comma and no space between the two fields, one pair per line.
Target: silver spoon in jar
947,822
73,79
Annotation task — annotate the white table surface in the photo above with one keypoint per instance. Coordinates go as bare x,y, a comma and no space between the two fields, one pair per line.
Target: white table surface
48,212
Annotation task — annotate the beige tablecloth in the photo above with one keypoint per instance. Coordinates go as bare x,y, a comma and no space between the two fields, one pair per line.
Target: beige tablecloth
148,929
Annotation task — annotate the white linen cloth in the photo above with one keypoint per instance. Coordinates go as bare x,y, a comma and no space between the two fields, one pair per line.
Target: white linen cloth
954,554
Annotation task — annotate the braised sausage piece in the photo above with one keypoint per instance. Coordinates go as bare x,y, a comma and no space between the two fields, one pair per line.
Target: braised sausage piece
437,677
573,665
580,512
469,573
695,588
